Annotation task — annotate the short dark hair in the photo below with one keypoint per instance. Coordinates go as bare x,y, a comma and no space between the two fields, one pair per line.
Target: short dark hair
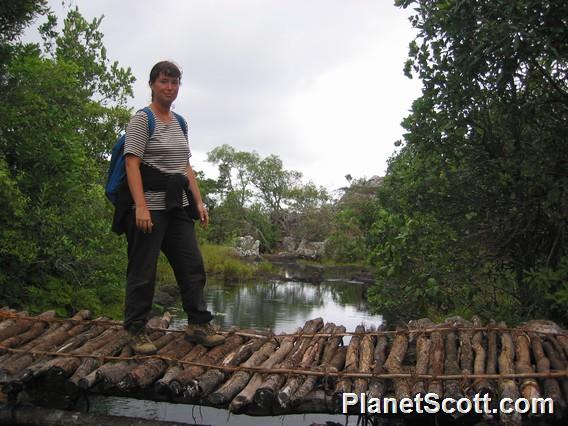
167,68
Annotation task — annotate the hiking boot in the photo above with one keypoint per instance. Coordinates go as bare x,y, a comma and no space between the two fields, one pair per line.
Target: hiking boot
204,334
141,343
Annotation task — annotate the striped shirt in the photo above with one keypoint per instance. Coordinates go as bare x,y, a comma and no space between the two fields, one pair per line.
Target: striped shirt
167,150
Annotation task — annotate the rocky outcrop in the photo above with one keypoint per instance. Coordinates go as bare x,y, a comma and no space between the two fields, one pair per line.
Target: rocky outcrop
306,249
310,249
247,246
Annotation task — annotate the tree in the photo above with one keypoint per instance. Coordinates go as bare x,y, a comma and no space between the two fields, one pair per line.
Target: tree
57,248
475,202
259,197
350,226
14,17
275,186
235,171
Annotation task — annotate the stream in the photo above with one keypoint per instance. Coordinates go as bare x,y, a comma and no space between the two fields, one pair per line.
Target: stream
278,305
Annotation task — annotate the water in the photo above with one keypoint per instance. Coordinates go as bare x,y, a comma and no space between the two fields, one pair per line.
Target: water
280,306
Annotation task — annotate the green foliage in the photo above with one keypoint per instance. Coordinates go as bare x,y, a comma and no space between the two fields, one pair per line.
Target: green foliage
57,250
474,207
222,261
15,16
258,197
346,243
349,239
551,285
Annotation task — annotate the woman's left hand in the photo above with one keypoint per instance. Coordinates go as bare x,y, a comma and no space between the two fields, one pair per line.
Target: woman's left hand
203,215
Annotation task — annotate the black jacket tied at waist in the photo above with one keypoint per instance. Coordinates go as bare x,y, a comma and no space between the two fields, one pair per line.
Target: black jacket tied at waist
154,180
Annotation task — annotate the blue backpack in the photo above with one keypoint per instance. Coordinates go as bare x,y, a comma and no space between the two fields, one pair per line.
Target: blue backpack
117,167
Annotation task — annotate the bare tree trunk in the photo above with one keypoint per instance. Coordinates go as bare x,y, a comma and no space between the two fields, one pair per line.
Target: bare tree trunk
309,360
266,392
239,379
551,386
178,384
246,396
480,386
345,384
208,381
330,348
35,330
507,387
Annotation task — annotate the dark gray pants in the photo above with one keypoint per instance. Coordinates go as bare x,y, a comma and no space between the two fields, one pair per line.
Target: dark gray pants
174,234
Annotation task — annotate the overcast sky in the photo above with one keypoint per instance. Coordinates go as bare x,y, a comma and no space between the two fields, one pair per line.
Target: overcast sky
318,83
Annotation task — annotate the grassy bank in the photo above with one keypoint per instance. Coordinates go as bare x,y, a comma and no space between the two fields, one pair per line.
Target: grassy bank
222,262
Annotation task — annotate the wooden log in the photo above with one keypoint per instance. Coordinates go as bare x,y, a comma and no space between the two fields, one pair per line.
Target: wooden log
59,368
316,401
207,382
15,366
556,363
14,326
111,348
345,384
550,386
246,396
90,364
6,317
377,387
149,370
330,349
423,345
507,387
553,340
309,360
452,388
466,350
491,367
114,346
167,384
332,343
436,363
239,379
465,353
528,386
394,363
480,386
211,379
110,373
365,364
178,384
56,332
268,390
161,387
563,341
35,330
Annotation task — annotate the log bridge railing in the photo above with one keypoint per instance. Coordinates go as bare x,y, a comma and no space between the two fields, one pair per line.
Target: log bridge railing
308,371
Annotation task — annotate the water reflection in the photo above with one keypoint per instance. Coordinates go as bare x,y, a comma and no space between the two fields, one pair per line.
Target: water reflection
277,305
199,415
283,306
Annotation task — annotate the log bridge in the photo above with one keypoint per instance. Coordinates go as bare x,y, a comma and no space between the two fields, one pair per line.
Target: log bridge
307,371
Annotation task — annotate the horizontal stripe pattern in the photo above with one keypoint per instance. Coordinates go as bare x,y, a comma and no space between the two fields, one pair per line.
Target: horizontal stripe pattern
167,150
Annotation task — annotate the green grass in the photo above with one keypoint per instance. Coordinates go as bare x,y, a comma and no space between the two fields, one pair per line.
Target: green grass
220,261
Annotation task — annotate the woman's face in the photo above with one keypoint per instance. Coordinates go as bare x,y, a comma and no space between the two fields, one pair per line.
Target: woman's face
165,89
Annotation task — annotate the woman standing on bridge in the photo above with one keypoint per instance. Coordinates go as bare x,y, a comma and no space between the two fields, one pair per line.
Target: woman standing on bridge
163,188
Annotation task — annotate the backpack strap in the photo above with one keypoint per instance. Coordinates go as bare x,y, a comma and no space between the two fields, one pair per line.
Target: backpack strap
152,121
182,123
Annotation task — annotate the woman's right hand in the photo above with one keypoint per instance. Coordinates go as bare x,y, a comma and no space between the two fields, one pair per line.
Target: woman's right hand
144,219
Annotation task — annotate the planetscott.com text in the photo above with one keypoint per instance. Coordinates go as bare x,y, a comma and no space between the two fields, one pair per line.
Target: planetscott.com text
431,403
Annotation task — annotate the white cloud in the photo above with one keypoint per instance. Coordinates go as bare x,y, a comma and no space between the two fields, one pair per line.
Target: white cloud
318,83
